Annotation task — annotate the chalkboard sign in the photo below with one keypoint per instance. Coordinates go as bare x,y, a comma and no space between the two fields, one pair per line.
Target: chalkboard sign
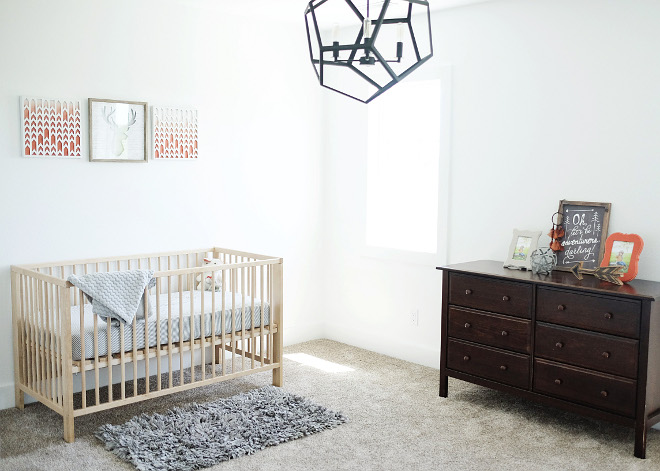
585,226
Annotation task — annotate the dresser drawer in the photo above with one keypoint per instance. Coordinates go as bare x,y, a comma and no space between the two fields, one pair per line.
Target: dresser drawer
600,313
500,366
615,355
504,297
587,387
490,329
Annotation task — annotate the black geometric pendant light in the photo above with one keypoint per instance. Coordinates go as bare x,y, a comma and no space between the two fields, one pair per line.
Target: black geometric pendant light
362,48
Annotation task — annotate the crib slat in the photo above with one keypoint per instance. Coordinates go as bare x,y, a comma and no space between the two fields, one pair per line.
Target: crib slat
213,336
169,330
181,379
35,335
23,331
261,324
44,342
82,348
270,303
202,324
191,282
60,348
97,396
146,339
134,359
243,316
158,347
122,360
17,327
108,331
233,321
223,326
28,331
67,365
52,350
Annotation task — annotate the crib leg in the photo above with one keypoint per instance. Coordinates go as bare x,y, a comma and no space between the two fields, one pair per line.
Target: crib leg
69,433
19,397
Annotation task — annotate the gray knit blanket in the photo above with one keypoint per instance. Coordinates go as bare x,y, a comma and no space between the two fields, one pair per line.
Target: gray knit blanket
117,295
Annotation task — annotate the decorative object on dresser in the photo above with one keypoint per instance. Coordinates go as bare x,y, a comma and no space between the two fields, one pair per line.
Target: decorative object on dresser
609,274
585,230
623,250
51,127
194,339
586,346
543,261
523,243
556,233
117,131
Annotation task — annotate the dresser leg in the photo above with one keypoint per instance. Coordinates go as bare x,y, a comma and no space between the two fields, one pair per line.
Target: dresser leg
640,440
444,385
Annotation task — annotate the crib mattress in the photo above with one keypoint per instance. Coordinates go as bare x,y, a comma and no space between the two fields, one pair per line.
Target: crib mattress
251,318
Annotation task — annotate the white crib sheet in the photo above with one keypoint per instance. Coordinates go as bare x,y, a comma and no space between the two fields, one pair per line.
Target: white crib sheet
115,332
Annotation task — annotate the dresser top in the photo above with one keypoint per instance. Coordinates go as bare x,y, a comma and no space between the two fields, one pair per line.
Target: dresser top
640,289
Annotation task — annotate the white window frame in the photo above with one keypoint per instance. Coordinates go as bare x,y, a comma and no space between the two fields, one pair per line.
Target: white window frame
444,73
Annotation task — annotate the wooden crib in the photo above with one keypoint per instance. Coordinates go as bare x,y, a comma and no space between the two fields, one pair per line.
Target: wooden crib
45,305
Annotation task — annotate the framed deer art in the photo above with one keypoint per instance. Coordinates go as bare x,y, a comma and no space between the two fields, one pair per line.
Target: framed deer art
117,131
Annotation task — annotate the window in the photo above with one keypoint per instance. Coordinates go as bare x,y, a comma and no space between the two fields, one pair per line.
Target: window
405,156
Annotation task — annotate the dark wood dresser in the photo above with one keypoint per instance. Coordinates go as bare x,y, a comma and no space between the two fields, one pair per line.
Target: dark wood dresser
586,346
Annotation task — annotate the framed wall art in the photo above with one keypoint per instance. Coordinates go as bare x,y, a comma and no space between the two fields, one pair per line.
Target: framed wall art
523,243
585,231
51,127
623,250
117,131
175,133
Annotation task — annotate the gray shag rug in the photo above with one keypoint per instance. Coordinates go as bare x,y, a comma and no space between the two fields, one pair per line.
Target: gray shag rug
201,435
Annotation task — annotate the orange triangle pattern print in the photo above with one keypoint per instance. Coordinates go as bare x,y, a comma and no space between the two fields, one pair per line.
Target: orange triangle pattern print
175,133
51,127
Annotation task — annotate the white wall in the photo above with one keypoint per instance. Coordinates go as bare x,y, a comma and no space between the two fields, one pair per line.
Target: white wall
552,99
256,186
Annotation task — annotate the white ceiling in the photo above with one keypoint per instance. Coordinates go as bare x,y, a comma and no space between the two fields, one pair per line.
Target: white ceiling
292,10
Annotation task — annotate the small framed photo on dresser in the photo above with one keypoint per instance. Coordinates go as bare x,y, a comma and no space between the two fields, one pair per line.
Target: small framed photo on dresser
623,250
523,243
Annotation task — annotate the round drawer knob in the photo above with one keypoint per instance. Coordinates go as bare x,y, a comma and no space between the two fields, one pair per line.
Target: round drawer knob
559,345
561,307
558,381
608,315
504,333
466,358
503,367
468,291
505,298
468,325
606,354
603,393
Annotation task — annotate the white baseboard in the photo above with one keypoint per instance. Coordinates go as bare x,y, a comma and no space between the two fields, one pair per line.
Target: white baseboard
426,355
6,395
299,333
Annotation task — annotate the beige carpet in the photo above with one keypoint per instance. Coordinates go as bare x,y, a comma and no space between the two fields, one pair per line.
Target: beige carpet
397,422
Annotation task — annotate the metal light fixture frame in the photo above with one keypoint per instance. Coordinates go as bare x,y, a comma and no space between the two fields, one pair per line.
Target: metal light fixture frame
367,46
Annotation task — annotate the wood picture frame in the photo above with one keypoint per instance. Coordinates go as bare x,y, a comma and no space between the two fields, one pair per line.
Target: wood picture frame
623,250
585,232
523,243
117,131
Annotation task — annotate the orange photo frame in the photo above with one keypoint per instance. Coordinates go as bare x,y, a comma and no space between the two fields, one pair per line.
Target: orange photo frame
624,250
